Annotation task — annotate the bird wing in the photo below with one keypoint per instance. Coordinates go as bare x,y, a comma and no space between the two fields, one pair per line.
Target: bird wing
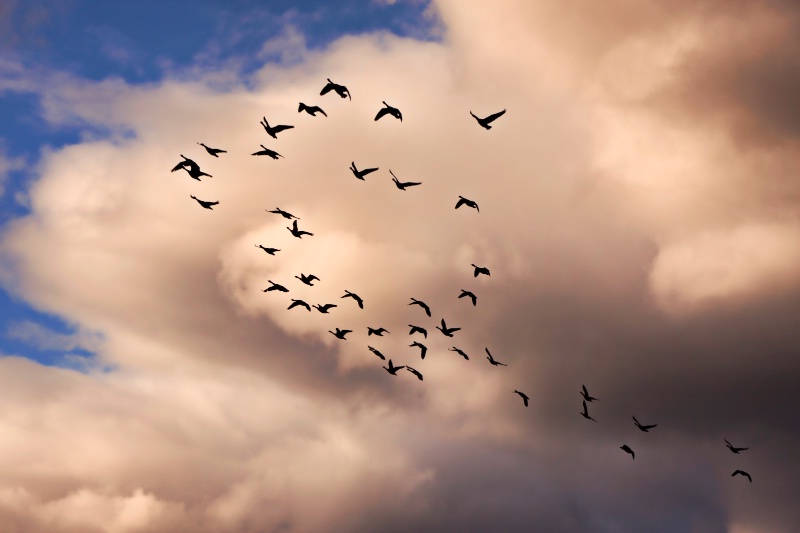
368,171
279,128
328,88
381,113
494,116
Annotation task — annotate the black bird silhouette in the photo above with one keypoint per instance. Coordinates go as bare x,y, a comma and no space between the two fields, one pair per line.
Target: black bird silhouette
310,109
185,163
207,205
376,331
308,280
389,110
422,348
297,232
643,428
393,369
467,202
354,296
627,449
360,173
415,372
300,303
732,448
403,184
492,359
470,295
422,304
585,413
275,287
266,151
340,333
459,352
480,270
213,151
324,308
447,332
484,122
281,212
341,90
270,251
191,167
524,397
586,396
273,131
417,329
376,352
742,473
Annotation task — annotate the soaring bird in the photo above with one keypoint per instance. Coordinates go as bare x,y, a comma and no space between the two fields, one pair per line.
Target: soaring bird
586,396
484,122
213,151
393,369
447,332
297,232
310,109
354,296
467,202
281,212
422,304
376,352
524,397
585,413
272,131
275,287
480,270
361,173
191,167
492,359
459,352
324,308
422,348
266,151
308,280
415,372
185,163
403,184
340,333
207,205
470,295
627,449
389,110
341,90
270,251
742,473
643,428
300,303
417,329
376,331
732,448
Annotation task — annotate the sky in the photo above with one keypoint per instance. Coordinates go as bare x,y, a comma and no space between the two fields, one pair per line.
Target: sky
638,213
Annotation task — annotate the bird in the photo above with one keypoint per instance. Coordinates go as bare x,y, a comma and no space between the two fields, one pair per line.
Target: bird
191,167
422,304
585,413
403,184
422,348
415,372
273,131
324,308
467,202
586,396
361,173
492,359
742,473
524,397
207,205
213,151
354,296
297,232
266,151
470,295
376,331
341,90
447,332
484,122
643,428
185,163
310,109
480,270
300,303
376,352
627,449
308,280
275,287
389,110
340,333
270,251
417,329
393,369
459,352
281,212
732,448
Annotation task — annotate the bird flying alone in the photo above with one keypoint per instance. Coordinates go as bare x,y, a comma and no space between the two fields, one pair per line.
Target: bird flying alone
642,427
376,352
422,304
213,151
586,396
418,329
340,333
393,369
523,396
733,448
281,212
207,205
389,110
585,412
492,360
298,232
422,348
467,202
415,372
308,280
275,287
192,168
459,351
270,251
310,109
742,473
486,121
627,449
354,296
273,131
359,174
480,270
324,308
469,294
447,332
299,303
403,184
341,90
266,151
376,331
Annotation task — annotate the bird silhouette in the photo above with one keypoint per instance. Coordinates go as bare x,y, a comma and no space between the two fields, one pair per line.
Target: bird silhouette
470,295
585,413
270,251
643,428
422,304
389,110
422,348
340,333
281,212
492,359
376,352
393,369
480,270
417,329
297,232
459,352
207,205
273,131
213,151
403,184
275,287
732,448
415,372
586,396
310,109
467,202
354,296
627,449
308,280
484,122
324,308
523,396
341,90
376,331
185,163
447,332
300,303
266,151
742,473
360,173
191,167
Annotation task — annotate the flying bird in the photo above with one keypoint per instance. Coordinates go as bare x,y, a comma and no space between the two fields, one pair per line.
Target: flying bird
393,369
389,110
417,329
492,359
324,308
467,202
480,270
185,163
643,428
207,205
273,131
485,122
275,287
360,173
422,348
742,473
311,110
732,448
281,212
297,232
376,331
266,151
459,352
191,167
308,280
470,295
586,396
585,413
422,304
340,333
270,251
447,332
403,184
415,372
213,151
627,449
341,90
300,303
524,397
376,352
354,296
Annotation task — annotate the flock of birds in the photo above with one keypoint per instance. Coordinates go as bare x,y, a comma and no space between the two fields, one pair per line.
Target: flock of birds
194,171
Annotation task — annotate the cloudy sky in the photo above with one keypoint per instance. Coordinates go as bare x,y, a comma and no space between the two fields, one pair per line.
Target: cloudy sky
639,212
